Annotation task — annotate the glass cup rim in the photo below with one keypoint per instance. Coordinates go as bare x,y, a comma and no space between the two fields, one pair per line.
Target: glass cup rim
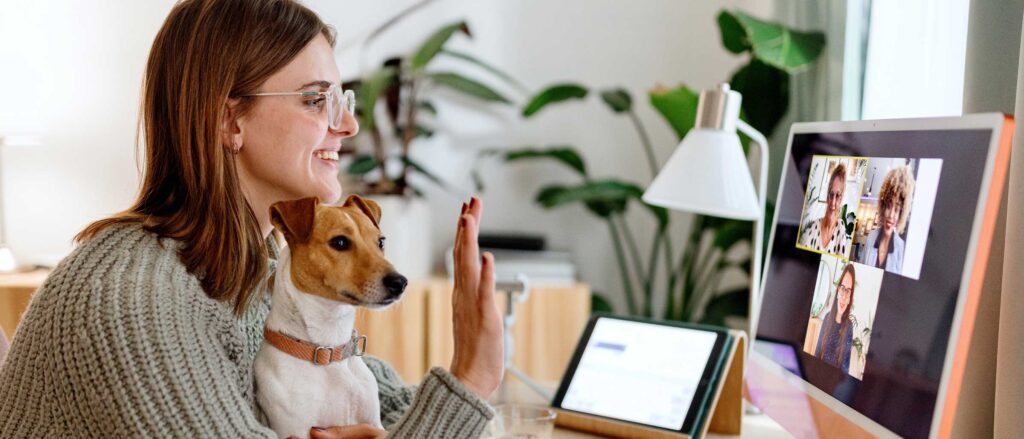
545,413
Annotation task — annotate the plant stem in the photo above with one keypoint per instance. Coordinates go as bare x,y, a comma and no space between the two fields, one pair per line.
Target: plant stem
627,285
646,141
378,148
684,269
669,263
408,134
637,264
703,277
651,269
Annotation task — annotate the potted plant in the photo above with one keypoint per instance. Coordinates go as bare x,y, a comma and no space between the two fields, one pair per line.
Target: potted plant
395,106
692,279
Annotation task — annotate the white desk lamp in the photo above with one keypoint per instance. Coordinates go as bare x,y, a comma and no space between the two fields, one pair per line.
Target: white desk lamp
708,174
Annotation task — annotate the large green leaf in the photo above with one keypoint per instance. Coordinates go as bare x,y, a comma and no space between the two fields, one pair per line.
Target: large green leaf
734,36
660,213
598,303
421,131
468,86
618,99
483,65
564,154
780,46
435,43
362,165
731,303
731,233
426,106
765,91
553,94
393,21
603,198
416,166
370,90
678,106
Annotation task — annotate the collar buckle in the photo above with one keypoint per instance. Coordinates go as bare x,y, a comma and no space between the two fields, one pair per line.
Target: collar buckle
316,355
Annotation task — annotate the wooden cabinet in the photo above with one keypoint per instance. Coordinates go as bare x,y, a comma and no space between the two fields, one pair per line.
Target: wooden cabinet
15,292
548,325
416,333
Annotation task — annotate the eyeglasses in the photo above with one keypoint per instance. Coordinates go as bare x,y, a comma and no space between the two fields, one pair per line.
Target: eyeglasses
844,290
833,195
338,101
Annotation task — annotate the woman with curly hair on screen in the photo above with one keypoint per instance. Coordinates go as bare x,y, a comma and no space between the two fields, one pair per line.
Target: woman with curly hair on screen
884,247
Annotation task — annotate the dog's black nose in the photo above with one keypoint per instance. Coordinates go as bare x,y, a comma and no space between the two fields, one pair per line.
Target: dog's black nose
395,283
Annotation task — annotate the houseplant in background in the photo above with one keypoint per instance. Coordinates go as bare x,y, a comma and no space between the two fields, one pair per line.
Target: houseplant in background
692,281
396,104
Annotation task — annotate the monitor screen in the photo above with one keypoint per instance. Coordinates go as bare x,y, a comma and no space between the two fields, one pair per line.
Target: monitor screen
870,242
641,372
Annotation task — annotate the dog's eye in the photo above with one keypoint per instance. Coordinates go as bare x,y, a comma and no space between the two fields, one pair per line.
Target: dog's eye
339,243
380,243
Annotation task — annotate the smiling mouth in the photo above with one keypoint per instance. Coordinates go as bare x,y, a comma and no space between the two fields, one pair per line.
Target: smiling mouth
324,154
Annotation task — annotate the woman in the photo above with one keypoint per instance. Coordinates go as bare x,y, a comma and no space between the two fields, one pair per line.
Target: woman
836,337
149,328
884,246
827,234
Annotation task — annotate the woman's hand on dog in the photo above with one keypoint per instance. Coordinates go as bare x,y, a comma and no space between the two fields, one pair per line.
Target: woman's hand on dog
358,431
478,361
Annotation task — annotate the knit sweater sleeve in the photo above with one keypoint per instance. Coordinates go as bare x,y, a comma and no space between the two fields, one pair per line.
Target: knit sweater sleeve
120,343
440,406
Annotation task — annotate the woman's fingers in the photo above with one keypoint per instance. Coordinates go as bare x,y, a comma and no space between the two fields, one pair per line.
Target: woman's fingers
358,431
476,208
487,279
470,253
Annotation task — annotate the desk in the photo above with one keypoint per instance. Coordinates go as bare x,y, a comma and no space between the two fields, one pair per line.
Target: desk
512,390
15,293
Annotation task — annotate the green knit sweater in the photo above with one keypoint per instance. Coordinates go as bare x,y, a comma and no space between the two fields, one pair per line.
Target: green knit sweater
121,341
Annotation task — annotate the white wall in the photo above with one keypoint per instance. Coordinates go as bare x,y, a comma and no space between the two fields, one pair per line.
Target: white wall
915,59
70,71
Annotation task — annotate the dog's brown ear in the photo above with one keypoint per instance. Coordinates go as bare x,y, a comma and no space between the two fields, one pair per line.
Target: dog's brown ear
295,218
369,207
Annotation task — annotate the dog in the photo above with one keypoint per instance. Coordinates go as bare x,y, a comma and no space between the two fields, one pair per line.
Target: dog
308,370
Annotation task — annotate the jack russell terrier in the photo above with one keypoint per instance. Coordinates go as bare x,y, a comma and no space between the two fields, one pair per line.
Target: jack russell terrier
308,370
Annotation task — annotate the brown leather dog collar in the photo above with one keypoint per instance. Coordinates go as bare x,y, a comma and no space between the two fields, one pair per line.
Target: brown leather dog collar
318,355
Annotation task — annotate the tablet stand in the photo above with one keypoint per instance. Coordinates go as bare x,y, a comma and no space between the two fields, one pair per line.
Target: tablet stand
724,407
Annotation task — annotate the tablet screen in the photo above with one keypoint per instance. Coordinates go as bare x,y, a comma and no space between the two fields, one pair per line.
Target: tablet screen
641,372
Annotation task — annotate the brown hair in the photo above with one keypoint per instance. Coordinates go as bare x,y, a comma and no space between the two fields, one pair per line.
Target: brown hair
898,186
839,173
847,325
205,52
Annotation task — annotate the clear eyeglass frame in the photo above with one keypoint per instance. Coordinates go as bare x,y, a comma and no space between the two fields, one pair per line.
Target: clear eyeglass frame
339,101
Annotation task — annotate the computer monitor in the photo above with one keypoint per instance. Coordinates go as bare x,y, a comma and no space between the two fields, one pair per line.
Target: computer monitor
874,274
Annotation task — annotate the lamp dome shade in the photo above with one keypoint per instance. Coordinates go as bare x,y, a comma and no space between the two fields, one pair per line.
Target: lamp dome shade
707,174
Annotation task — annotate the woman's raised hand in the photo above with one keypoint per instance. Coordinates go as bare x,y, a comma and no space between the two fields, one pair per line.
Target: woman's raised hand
479,353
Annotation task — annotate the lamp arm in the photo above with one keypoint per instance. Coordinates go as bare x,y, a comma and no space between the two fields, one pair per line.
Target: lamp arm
762,184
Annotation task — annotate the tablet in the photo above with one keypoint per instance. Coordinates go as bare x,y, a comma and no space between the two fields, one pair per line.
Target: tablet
651,373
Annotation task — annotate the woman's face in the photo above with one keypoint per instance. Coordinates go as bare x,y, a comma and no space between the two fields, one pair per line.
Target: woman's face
890,214
284,138
835,197
844,293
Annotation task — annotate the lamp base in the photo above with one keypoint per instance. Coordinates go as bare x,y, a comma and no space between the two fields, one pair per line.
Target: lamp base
7,262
